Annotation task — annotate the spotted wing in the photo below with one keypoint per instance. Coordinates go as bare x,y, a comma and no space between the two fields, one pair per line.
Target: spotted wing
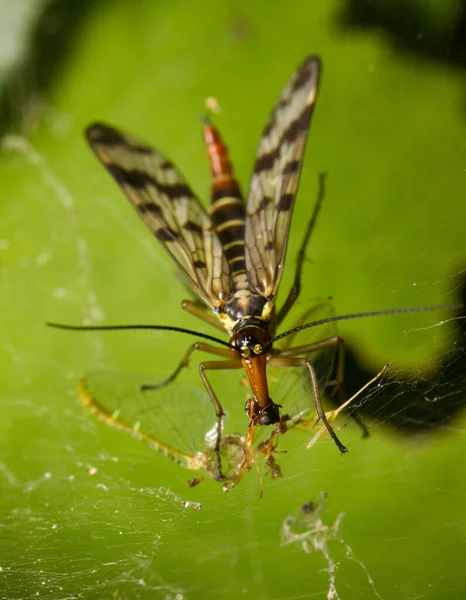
275,179
168,207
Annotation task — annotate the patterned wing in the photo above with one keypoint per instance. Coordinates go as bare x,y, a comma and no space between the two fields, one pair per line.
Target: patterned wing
168,207
275,179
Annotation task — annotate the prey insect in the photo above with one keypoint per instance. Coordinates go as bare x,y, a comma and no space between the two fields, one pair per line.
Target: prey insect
233,255
117,400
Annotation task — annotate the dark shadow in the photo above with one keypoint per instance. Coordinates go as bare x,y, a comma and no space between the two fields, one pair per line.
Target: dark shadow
412,27
51,42
415,405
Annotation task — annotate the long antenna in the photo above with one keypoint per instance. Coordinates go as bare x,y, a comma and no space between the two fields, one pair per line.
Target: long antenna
156,327
375,313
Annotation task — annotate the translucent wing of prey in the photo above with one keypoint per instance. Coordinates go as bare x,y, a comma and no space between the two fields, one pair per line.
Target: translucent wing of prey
169,208
275,179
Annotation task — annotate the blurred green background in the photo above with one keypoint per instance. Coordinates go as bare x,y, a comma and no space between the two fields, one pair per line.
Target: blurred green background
89,512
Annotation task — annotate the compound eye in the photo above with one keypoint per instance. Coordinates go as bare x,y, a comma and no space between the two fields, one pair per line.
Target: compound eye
257,349
245,352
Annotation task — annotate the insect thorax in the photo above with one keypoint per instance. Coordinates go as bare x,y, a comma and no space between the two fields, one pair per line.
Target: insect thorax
245,307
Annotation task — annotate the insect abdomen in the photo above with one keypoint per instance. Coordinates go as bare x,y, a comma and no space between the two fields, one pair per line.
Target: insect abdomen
227,208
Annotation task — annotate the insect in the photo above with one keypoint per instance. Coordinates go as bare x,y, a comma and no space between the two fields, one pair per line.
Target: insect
233,255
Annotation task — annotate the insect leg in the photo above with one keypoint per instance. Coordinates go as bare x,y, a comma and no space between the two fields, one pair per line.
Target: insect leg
217,365
185,361
306,363
337,383
295,290
336,340
201,313
314,347
334,413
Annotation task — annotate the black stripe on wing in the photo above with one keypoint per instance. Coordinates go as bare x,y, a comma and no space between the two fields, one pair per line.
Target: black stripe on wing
275,179
169,208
